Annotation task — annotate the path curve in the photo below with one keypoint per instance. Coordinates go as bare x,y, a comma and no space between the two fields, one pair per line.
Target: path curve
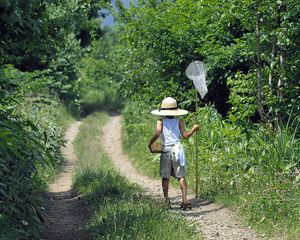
65,213
210,219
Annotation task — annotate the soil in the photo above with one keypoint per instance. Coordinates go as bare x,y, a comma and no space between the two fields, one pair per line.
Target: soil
211,220
65,212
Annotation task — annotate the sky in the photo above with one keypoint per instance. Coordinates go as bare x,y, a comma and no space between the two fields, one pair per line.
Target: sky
108,20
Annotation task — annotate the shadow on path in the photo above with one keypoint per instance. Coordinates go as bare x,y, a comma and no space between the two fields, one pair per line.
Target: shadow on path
66,212
65,216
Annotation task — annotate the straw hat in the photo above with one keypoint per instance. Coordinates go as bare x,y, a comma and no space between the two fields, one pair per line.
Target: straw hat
169,108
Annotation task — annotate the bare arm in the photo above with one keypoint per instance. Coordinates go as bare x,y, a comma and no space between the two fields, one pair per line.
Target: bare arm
186,134
156,135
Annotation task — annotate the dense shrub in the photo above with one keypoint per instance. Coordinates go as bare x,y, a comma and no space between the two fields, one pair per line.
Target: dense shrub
30,137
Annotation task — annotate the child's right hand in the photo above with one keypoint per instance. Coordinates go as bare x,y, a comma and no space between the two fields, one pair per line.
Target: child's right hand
150,148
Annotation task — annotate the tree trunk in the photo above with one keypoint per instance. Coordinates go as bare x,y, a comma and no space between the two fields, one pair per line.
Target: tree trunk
258,66
197,175
281,75
270,82
282,52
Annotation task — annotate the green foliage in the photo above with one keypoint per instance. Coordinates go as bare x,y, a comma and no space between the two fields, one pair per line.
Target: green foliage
120,209
157,40
138,128
18,19
42,43
21,152
253,169
242,97
30,138
98,87
63,76
51,36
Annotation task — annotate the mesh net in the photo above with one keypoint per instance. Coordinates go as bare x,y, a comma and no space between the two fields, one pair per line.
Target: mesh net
196,71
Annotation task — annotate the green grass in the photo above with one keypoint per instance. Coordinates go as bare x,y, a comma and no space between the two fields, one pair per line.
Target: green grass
60,119
254,172
120,210
271,208
26,170
102,98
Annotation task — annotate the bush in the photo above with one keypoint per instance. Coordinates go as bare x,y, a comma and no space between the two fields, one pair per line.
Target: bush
30,138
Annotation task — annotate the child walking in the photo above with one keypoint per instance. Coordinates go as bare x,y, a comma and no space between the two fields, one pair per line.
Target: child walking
172,159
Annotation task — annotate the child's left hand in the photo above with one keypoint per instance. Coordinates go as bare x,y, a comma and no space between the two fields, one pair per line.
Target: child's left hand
195,127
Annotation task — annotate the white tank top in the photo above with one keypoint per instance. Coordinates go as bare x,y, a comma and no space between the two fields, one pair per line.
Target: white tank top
170,131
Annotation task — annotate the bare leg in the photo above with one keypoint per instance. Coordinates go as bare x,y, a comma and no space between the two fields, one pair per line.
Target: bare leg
183,186
165,187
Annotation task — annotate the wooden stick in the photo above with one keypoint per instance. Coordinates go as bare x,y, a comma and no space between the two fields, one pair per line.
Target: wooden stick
196,160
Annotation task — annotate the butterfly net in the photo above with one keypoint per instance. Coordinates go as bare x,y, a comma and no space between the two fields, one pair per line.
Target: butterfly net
196,71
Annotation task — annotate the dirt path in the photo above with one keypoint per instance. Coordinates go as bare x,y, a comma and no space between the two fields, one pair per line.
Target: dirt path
65,212
213,221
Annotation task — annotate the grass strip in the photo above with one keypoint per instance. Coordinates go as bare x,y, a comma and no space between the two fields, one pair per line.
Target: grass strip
121,211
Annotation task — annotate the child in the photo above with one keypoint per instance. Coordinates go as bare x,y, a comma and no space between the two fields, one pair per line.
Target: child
172,159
